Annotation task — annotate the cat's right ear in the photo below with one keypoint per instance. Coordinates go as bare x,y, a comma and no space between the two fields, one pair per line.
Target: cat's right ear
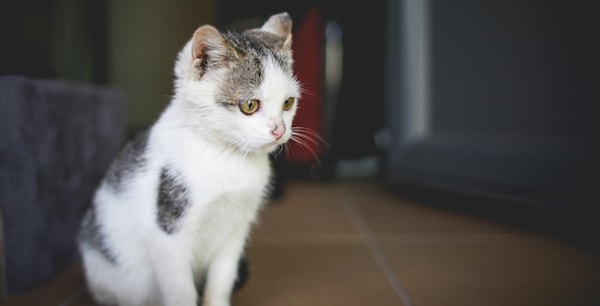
280,25
209,49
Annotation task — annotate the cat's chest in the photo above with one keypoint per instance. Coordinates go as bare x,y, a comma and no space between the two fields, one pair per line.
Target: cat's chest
225,195
209,178
220,180
222,176
209,197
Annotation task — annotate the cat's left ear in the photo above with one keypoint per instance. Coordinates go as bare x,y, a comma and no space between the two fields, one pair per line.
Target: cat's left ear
280,25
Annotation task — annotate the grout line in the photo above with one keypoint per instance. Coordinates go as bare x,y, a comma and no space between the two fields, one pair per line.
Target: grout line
320,239
366,234
463,239
405,239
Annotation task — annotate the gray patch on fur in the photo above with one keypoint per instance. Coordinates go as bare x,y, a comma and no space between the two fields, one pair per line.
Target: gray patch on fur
91,234
129,160
246,72
172,200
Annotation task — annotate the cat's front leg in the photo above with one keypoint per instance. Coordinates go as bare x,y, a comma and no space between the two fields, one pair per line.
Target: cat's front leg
180,292
175,278
222,274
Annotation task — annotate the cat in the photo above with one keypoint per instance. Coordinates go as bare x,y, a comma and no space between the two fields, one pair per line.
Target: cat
174,210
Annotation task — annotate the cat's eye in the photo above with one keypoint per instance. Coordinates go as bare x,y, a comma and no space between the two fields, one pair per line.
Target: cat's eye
288,103
249,106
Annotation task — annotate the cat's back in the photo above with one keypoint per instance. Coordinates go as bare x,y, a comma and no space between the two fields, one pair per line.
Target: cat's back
131,160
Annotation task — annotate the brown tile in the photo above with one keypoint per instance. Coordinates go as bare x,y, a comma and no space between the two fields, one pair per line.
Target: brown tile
387,213
306,250
81,299
306,209
314,274
283,274
527,272
60,288
449,258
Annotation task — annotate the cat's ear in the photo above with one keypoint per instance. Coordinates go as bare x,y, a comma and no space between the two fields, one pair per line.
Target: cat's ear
209,49
280,25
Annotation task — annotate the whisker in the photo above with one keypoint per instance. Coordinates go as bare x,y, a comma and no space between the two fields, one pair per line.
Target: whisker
306,137
307,133
307,147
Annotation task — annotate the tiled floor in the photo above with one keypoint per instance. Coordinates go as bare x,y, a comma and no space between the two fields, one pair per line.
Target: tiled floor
355,243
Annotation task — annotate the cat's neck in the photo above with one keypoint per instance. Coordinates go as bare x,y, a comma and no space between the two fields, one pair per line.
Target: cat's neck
176,134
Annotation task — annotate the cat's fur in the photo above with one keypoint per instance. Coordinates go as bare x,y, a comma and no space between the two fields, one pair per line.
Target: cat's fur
174,210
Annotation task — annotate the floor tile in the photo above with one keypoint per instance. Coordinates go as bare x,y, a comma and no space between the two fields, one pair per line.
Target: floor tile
305,209
314,275
306,251
356,243
528,271
59,289
388,213
82,298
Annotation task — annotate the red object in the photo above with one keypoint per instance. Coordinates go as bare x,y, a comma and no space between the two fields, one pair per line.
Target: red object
307,48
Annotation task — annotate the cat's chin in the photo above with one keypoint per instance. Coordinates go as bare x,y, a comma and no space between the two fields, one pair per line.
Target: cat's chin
264,149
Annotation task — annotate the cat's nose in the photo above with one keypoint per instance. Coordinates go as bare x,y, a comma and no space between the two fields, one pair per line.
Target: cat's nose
278,131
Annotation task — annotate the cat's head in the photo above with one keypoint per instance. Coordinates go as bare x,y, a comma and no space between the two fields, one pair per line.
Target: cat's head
239,88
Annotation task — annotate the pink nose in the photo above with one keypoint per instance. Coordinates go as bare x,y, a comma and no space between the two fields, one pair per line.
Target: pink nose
278,131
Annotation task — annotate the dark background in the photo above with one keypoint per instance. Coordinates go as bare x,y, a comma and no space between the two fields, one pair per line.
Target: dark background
512,117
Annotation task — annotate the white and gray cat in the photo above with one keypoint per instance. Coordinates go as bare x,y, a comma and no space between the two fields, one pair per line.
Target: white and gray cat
173,213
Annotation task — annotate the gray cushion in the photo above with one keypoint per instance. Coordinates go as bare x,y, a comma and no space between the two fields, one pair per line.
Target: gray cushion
57,139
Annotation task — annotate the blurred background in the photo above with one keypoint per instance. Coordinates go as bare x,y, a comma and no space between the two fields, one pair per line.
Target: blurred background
494,97
436,99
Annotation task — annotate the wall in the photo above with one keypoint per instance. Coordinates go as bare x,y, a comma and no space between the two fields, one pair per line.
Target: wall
144,38
494,98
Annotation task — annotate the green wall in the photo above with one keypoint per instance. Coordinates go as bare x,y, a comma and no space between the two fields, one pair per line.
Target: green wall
144,38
